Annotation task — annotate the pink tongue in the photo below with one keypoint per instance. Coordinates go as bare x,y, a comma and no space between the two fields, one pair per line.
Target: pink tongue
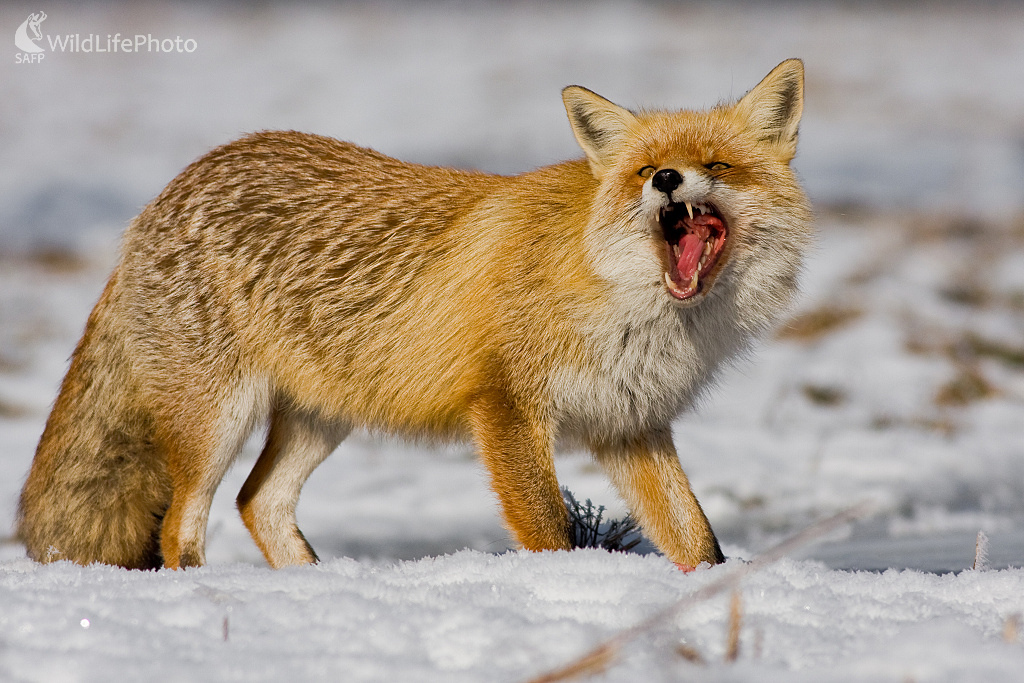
691,247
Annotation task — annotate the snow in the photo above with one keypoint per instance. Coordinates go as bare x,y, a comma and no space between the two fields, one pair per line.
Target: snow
901,381
474,616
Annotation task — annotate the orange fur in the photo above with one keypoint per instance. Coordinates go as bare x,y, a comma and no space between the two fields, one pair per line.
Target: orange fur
322,286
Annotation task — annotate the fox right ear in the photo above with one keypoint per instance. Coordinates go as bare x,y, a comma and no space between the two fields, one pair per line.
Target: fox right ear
774,106
597,124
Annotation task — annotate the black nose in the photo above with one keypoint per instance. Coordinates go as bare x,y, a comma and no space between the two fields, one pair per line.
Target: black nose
667,180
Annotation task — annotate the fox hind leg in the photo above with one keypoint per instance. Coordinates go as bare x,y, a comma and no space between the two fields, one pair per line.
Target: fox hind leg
201,445
298,441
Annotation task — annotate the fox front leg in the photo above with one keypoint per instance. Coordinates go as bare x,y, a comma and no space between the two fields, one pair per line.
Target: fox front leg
518,454
647,473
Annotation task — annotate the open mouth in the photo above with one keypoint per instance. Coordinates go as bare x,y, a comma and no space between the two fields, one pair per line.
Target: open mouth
695,237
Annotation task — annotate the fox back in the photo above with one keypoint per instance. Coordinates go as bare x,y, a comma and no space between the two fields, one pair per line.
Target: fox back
322,286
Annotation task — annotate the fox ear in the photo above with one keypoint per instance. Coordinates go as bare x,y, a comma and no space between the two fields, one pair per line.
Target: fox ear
597,124
773,108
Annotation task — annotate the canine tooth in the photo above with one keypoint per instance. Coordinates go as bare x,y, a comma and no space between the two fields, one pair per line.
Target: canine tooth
689,209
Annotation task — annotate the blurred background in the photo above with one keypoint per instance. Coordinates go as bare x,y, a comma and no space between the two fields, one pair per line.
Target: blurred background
900,377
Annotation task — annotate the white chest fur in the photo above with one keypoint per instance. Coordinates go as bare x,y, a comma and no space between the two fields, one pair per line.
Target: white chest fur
643,371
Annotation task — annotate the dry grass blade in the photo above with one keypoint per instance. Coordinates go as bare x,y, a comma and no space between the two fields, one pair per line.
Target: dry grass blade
690,654
758,643
981,552
599,658
732,645
1011,628
968,386
814,325
587,528
12,410
594,662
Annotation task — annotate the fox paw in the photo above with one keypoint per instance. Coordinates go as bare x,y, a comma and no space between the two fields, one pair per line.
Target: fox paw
687,568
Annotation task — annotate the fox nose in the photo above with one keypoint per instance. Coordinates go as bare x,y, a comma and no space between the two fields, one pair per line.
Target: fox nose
667,180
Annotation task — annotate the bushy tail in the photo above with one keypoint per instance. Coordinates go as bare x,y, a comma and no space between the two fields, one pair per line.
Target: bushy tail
99,486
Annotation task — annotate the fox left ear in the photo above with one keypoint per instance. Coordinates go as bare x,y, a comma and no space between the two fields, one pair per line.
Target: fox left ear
597,124
773,108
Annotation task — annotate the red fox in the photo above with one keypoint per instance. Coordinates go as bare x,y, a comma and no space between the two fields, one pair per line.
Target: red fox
323,287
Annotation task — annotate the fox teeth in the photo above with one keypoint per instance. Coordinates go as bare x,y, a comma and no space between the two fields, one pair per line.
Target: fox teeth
689,209
707,250
694,282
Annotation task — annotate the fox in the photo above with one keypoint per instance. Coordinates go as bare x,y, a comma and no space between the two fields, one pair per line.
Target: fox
305,285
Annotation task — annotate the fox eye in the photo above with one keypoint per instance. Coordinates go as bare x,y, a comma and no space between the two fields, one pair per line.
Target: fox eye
717,166
646,172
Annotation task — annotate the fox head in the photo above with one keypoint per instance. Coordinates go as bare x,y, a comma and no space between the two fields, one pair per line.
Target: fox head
691,202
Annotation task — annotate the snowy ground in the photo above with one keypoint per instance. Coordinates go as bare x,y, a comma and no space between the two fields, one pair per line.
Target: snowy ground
900,379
